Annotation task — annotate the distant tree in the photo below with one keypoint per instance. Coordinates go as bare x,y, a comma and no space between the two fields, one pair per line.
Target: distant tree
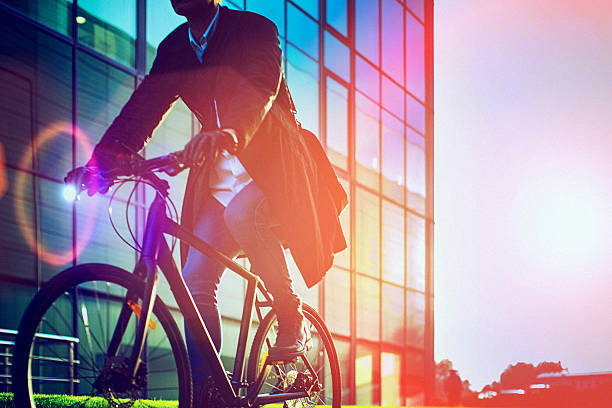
549,367
519,375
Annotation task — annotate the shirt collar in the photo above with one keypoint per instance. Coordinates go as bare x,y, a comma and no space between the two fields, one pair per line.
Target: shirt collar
199,46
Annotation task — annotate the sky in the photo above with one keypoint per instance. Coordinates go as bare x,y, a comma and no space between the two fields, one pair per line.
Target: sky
523,184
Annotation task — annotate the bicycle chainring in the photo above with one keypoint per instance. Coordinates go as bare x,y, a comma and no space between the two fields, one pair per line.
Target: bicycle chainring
114,384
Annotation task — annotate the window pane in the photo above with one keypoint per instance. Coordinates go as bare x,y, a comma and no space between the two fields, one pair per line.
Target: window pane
231,293
393,40
415,252
366,36
343,348
337,123
337,15
302,31
415,114
415,171
392,97
52,13
273,9
366,370
161,20
415,325
310,6
366,141
17,257
109,27
101,91
417,7
392,157
392,314
390,379
343,258
338,301
36,98
303,82
337,56
367,308
393,243
367,78
367,233
415,57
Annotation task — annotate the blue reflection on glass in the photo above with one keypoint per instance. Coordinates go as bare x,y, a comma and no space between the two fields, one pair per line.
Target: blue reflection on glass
161,20
303,81
366,34
337,15
310,6
337,123
272,9
302,31
337,56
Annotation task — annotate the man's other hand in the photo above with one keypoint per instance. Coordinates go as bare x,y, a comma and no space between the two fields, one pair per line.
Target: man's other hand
88,178
204,147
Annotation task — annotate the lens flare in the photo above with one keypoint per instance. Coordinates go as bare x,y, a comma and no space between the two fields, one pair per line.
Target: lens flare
26,224
70,193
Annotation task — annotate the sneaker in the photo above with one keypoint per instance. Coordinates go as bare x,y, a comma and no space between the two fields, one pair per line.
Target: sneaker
293,338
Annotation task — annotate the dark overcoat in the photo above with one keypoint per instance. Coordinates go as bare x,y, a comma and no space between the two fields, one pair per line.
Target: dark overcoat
242,73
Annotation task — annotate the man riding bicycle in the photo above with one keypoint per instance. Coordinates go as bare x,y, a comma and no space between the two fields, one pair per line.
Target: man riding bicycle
258,181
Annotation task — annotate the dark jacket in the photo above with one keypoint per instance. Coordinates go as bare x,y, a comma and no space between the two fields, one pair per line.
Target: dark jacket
242,72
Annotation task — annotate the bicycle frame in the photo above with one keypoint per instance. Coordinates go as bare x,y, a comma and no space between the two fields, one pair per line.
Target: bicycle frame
157,253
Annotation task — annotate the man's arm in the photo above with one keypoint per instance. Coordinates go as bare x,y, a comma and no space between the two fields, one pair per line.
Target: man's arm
139,117
255,83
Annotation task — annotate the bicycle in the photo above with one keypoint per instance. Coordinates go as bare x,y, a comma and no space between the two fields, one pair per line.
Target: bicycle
125,357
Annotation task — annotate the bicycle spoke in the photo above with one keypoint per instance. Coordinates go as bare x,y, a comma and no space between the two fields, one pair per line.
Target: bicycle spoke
100,321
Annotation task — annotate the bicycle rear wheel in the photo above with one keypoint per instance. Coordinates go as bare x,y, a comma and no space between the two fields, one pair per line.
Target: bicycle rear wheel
61,347
281,377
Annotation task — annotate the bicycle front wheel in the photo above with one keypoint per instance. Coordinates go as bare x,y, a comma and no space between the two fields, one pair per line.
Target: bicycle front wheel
281,377
64,336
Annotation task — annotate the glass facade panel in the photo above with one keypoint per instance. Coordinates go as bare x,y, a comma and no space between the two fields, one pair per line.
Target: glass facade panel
310,6
337,56
161,20
392,314
390,379
338,301
415,252
415,57
415,114
337,15
109,27
367,78
392,157
303,82
392,243
417,7
343,258
367,235
55,14
366,37
415,171
368,298
302,31
367,141
392,97
343,349
366,374
272,9
415,316
393,40
337,123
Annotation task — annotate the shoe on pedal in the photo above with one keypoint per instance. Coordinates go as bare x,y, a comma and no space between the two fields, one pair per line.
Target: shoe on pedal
293,339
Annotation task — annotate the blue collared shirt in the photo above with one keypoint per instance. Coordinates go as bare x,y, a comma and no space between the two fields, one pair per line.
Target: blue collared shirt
199,46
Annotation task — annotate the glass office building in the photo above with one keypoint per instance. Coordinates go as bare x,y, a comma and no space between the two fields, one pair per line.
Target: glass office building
361,75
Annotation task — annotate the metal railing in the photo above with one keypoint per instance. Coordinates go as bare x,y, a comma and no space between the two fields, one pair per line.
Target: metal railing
6,355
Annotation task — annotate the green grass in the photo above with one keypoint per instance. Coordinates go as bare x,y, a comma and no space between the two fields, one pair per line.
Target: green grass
63,401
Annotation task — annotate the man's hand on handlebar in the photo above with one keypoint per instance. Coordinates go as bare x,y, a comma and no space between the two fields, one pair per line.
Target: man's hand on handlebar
204,147
88,178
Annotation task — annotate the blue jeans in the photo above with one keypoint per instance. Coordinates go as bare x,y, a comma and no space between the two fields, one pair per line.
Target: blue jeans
246,224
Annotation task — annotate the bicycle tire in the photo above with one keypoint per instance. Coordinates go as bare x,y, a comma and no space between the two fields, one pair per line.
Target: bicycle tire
55,297
322,343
